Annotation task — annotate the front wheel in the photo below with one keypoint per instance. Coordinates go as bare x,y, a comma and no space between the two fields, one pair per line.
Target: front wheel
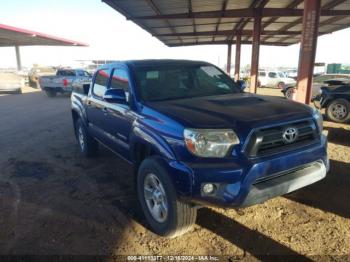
338,111
165,214
289,93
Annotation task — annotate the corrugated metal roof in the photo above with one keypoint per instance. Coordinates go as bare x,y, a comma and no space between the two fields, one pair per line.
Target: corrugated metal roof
194,22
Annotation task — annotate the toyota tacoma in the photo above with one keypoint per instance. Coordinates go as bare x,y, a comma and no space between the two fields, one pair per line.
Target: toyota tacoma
195,138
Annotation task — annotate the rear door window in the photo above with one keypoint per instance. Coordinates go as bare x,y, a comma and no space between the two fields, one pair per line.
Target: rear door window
101,82
272,75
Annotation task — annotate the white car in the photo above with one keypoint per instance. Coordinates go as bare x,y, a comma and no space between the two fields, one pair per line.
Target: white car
11,83
274,79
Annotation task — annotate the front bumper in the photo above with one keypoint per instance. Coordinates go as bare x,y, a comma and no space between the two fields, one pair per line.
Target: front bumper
246,182
285,183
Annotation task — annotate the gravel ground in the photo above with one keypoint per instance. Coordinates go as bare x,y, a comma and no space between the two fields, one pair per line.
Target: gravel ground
55,202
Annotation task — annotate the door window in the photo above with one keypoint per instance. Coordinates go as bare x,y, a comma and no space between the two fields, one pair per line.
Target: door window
83,73
101,81
272,75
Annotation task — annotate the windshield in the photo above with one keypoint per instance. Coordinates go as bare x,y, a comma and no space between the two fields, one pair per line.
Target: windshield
176,82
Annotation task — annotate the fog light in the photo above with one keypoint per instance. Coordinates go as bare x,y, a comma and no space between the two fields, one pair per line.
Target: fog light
208,188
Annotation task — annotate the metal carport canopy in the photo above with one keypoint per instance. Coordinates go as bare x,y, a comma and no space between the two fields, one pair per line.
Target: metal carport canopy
13,36
202,22
256,22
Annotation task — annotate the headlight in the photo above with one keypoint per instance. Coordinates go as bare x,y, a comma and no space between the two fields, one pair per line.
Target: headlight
210,142
319,119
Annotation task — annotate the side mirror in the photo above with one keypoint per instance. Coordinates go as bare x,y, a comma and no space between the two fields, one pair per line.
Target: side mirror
241,84
115,95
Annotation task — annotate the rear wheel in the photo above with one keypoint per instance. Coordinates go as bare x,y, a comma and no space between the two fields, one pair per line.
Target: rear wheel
338,111
88,145
165,214
51,93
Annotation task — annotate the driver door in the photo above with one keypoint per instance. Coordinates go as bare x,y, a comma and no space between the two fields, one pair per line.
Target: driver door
272,79
119,115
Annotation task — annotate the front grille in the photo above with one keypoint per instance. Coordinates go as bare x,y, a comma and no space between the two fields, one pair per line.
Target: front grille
265,141
283,173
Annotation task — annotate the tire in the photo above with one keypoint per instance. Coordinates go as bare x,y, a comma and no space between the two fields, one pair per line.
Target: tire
338,111
178,217
32,83
281,85
50,93
87,144
289,93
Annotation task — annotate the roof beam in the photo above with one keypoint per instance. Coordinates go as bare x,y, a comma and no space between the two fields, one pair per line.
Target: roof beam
224,42
230,32
190,12
157,11
223,9
325,8
241,13
333,4
243,22
274,19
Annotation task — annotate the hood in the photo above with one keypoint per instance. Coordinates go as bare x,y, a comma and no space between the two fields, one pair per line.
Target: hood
236,110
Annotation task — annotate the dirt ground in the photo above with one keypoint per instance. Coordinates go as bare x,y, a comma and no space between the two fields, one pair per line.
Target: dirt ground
55,202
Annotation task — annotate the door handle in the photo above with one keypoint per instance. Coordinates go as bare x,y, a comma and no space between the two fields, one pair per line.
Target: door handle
105,110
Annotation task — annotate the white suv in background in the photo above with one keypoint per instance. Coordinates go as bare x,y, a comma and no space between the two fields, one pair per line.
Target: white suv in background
275,79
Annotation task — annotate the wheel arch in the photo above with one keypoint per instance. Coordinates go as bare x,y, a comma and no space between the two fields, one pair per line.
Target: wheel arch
146,144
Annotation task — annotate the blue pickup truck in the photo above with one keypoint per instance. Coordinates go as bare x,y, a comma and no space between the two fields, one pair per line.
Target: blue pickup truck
196,138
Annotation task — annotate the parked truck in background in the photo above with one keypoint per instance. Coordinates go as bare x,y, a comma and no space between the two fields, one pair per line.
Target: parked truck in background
63,81
38,71
196,139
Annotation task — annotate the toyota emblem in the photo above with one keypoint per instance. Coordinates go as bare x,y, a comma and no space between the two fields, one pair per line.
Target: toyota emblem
290,134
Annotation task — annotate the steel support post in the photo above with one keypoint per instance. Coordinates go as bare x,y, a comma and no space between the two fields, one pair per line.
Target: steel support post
255,55
307,53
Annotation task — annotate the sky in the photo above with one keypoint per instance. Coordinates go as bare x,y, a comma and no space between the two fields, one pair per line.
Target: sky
110,36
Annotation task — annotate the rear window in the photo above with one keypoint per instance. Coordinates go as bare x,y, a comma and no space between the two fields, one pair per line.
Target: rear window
44,70
66,73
